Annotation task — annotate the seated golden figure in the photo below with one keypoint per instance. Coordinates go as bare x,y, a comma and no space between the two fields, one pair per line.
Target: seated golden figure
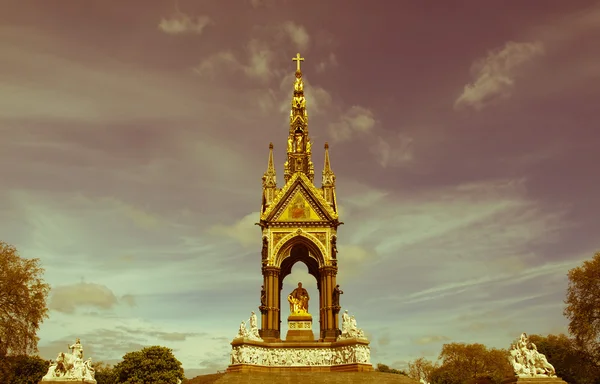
298,300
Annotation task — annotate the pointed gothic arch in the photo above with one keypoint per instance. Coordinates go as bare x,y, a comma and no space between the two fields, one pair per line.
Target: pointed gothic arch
300,246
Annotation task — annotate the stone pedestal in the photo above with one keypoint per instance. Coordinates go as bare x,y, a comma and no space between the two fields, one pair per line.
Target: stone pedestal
351,355
300,328
534,380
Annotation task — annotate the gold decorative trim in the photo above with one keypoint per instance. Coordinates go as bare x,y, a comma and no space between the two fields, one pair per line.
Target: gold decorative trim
299,179
276,251
322,236
277,236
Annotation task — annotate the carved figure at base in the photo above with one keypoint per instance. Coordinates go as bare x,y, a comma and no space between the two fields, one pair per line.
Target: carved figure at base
527,361
253,334
349,328
285,357
243,331
71,367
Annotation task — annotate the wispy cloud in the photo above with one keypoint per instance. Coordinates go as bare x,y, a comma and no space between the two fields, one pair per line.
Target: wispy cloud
355,120
297,34
180,23
495,74
330,62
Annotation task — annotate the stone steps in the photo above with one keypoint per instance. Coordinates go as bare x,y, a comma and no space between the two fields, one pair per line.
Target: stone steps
314,377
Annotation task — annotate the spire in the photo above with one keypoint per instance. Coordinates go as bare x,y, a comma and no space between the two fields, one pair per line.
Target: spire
298,144
328,175
269,181
269,178
329,181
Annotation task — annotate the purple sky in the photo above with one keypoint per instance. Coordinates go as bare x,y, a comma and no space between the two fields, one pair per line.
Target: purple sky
464,137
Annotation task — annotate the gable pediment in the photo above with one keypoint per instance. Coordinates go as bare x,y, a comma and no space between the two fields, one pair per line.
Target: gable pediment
299,201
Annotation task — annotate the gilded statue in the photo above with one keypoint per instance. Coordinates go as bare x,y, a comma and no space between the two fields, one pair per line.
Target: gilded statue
298,300
290,144
299,143
308,146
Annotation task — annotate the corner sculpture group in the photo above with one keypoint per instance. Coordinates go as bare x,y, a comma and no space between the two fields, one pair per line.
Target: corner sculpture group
71,366
527,361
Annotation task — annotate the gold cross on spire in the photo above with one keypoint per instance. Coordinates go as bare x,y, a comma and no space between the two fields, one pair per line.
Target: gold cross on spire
298,59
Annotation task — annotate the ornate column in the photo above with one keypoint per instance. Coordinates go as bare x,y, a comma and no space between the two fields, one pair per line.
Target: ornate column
321,310
276,304
335,308
330,332
269,326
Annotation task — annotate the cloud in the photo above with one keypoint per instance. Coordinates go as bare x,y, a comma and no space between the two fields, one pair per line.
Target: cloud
66,298
180,23
495,74
384,339
356,120
217,61
258,66
431,339
353,257
297,34
243,231
263,3
259,61
161,335
330,62
394,151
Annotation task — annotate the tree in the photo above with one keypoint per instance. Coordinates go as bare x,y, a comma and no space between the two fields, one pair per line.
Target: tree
26,369
105,374
473,363
23,295
420,369
583,306
150,365
572,364
387,369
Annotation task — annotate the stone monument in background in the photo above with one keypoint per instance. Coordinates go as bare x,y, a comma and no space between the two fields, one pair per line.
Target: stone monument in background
299,224
70,367
529,365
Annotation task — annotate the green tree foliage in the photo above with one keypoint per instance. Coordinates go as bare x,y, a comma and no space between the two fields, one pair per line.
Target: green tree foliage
154,364
583,306
572,364
420,368
386,369
471,363
105,374
23,369
23,295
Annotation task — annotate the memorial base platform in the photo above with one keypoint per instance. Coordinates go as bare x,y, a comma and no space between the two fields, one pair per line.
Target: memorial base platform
347,355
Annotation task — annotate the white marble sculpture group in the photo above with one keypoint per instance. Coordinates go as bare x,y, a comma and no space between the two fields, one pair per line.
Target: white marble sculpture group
349,328
71,367
252,334
295,357
527,361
